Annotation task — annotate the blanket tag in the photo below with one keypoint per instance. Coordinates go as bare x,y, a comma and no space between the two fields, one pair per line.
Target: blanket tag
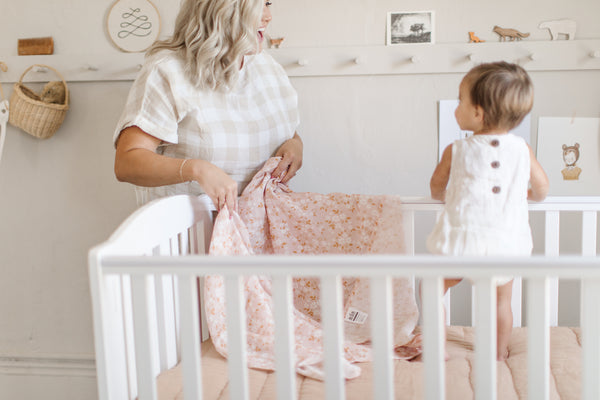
355,316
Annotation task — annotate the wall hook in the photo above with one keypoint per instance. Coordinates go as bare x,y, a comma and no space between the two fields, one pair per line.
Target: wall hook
472,57
358,60
534,57
595,54
90,67
303,62
39,69
415,59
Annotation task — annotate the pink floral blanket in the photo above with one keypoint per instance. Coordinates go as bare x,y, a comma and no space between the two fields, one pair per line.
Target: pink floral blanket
274,220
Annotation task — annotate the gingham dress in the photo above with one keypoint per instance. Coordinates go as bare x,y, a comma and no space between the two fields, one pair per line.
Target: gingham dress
235,130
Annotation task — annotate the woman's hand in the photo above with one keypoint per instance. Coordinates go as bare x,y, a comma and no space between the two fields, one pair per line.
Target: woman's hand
291,159
219,186
137,162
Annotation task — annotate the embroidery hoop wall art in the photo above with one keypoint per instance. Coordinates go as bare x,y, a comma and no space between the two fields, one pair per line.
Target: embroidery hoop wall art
133,25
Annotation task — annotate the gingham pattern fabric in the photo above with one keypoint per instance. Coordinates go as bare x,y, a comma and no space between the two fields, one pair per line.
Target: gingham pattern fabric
236,130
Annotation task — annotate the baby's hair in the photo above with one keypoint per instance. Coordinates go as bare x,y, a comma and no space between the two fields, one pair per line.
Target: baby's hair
504,91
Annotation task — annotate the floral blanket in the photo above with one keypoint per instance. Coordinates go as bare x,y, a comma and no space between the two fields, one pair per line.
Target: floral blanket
274,220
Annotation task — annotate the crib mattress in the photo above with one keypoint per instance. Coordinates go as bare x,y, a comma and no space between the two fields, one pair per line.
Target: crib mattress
565,372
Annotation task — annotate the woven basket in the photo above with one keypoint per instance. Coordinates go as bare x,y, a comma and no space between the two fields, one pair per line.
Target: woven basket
36,117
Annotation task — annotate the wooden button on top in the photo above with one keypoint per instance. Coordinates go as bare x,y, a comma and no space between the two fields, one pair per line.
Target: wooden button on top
495,142
496,189
495,164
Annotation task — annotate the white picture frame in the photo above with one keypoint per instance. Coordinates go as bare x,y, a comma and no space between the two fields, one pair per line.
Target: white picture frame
133,25
410,27
449,131
569,151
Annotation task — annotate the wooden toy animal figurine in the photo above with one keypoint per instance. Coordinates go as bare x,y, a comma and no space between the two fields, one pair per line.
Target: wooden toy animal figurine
566,27
474,39
275,42
512,34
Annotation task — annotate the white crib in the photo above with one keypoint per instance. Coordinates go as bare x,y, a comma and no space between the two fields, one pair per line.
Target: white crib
146,302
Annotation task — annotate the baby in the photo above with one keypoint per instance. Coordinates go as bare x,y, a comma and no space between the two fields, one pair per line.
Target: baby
486,179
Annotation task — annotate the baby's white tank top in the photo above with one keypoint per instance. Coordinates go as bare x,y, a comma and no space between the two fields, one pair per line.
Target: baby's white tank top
486,211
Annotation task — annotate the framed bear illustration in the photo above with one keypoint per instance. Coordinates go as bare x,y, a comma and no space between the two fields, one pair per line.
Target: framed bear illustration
569,151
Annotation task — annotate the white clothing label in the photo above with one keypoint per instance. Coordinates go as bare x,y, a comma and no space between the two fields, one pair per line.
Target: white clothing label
355,316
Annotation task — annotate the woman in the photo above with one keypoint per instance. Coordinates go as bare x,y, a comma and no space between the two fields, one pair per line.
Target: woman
209,107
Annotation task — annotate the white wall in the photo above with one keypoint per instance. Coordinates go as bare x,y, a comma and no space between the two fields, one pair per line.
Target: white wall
367,134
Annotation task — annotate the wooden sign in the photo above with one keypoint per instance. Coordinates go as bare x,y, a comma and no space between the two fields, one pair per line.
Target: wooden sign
133,25
35,46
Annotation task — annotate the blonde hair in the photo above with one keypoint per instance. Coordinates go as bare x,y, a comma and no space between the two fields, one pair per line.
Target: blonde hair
504,91
212,36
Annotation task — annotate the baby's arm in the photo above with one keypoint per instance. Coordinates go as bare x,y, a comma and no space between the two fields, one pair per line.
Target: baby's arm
538,179
441,176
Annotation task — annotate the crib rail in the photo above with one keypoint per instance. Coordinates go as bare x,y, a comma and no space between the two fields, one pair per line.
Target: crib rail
534,270
146,309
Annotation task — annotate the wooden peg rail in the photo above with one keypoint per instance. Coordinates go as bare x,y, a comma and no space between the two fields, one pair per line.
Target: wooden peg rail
558,55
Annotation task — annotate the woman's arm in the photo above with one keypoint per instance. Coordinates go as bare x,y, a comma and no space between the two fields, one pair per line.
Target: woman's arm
291,153
441,176
137,162
538,180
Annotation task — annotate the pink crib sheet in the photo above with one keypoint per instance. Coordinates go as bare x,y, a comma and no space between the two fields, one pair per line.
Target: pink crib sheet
273,219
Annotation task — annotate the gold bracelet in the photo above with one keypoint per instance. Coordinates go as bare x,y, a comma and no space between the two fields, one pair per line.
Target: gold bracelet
181,170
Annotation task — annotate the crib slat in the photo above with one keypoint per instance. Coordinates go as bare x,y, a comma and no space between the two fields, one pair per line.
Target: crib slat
434,339
145,337
129,337
590,320
588,233
333,335
485,339
190,337
284,338
551,248
408,222
197,244
184,243
516,302
165,306
590,330
236,337
382,333
538,339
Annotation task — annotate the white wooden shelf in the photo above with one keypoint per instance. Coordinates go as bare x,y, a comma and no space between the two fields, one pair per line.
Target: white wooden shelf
560,55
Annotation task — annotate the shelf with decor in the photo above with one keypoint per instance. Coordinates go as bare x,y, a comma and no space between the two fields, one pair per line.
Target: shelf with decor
442,58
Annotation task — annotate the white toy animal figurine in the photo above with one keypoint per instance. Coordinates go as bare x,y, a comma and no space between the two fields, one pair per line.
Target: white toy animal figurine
557,27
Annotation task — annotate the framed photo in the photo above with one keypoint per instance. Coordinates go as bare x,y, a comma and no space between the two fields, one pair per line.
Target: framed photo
405,27
569,151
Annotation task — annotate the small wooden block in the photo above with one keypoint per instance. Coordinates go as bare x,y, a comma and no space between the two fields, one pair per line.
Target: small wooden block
36,46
